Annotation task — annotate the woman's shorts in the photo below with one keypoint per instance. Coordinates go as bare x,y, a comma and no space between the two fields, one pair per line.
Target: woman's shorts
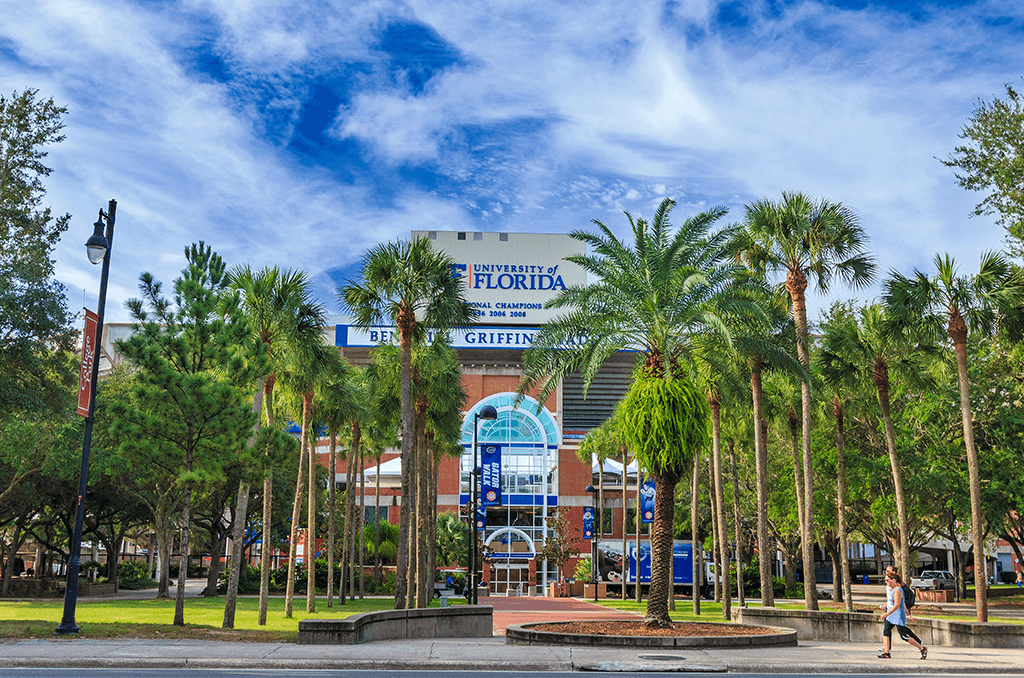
905,633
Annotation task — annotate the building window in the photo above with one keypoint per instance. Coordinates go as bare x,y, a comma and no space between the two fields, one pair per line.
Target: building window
503,237
432,235
631,524
478,236
462,236
530,440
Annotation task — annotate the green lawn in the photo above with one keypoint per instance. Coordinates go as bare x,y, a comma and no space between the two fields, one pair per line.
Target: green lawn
713,611
152,618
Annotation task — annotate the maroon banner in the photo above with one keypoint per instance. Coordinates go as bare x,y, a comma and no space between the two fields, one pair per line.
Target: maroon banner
88,357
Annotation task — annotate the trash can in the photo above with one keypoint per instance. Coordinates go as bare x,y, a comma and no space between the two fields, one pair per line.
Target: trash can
865,579
444,601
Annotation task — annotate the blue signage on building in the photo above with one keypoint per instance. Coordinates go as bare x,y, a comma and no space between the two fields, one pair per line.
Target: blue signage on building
588,522
490,475
647,501
481,519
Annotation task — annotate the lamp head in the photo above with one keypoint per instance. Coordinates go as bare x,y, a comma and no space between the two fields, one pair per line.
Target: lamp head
96,245
488,413
589,489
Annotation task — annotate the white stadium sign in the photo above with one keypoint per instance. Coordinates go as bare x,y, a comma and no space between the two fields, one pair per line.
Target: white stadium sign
509,276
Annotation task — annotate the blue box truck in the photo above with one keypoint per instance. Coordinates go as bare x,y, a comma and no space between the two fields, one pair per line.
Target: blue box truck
682,569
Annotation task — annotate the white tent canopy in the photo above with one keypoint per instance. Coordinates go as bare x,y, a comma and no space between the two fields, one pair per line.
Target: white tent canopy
613,467
392,467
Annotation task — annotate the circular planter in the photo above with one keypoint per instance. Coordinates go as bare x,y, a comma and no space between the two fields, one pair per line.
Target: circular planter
535,634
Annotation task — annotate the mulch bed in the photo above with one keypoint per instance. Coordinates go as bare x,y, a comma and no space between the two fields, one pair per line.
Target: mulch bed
638,628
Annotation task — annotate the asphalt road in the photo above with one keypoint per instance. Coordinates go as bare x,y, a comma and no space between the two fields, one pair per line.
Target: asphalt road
300,673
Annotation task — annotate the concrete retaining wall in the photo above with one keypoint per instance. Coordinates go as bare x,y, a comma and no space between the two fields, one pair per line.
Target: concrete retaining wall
461,621
861,627
535,634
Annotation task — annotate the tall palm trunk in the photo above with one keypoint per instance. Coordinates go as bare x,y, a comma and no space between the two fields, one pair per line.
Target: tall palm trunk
311,527
350,505
625,517
267,547
431,491
405,517
761,465
376,527
599,532
639,521
796,284
881,379
715,537
289,594
723,540
695,559
661,551
736,522
346,551
957,330
406,321
331,510
361,517
422,500
844,554
794,426
238,531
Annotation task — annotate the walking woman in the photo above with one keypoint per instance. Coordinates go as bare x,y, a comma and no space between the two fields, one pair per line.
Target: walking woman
896,618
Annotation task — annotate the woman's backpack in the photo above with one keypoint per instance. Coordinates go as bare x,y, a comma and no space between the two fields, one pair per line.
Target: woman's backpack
909,595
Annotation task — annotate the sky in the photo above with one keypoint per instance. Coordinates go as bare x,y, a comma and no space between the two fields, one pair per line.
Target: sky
299,134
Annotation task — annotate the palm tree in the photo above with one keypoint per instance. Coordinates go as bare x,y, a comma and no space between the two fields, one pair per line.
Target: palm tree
806,239
341,398
440,402
302,374
284,317
410,286
603,442
760,344
782,397
855,351
655,297
963,304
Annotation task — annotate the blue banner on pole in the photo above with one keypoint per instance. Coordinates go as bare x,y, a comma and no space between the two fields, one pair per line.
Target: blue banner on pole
490,475
481,519
588,522
647,501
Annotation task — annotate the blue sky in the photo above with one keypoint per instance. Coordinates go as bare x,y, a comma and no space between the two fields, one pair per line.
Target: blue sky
299,134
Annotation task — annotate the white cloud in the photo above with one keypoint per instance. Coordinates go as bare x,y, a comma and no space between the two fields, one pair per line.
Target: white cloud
549,116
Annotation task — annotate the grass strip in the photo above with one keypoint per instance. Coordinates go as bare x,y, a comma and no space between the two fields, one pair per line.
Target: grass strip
151,618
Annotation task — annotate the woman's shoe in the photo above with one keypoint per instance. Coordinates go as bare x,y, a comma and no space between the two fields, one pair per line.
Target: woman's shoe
924,653
885,655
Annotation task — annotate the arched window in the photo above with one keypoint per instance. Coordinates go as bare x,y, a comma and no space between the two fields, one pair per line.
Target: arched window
530,441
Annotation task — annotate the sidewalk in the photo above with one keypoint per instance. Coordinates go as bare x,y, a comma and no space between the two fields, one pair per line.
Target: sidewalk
491,654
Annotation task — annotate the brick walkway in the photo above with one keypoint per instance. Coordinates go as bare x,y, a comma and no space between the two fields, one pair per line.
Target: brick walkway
537,609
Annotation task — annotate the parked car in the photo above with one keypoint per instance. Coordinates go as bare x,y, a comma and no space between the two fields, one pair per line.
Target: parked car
934,579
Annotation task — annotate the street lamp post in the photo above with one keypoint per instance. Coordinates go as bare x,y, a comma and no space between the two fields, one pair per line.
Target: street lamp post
98,249
486,413
598,525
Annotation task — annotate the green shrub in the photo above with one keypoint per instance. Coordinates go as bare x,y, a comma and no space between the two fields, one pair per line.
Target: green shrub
388,586
194,571
248,580
582,572
90,568
132,575
1008,576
